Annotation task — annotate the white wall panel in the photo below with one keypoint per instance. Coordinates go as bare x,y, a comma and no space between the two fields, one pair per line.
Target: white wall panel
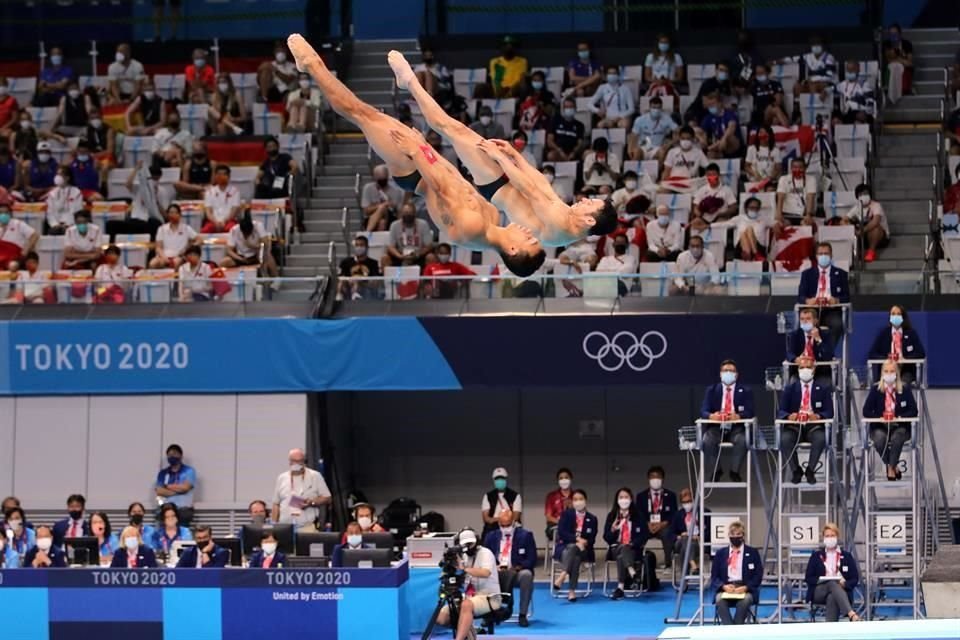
268,426
206,427
124,444
7,431
51,450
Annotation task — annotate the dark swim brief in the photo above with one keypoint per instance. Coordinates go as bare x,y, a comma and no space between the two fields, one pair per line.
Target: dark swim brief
408,182
489,190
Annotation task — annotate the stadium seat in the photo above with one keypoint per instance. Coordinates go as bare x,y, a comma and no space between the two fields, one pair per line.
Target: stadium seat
74,287
697,73
852,140
786,74
869,70
154,285
841,237
584,115
652,286
32,213
949,277
744,108
22,89
744,278
192,213
297,145
63,153
50,251
565,172
134,248
399,282
265,122
242,178
537,142
679,204
465,81
484,286
650,168
194,118
246,86
243,284
729,172
852,170
685,101
632,76
268,212
784,282
837,203
136,148
101,83
214,247
503,110
667,104
553,78
43,117
104,211
813,106
170,87
617,139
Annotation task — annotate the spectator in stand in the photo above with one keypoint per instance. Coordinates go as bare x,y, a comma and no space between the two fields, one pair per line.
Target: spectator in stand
17,239
558,187
32,284
538,109
267,556
516,552
507,72
703,265
800,402
637,195
686,159
713,202
206,554
872,226
796,196
27,138
10,175
657,507
354,269
623,532
380,200
227,112
63,201
171,143
889,399
434,76
737,572
82,243
568,138
663,69
831,576
613,102
825,285
45,554
719,85
601,166
53,80
303,105
109,542
558,500
112,278
763,157
583,73
951,197
73,526
134,554
652,133
24,536
898,342
101,140
221,203
444,266
73,111
196,174
898,63
498,499
487,126
194,277
664,237
244,244
199,74
768,107
807,341
275,173
818,70
519,142
723,401
298,493
126,75
951,130
150,108
150,199
278,76
411,239
85,175
576,535
857,99
9,109
176,483
722,127
621,262
135,514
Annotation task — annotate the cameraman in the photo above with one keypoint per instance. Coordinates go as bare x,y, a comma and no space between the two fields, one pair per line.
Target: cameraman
482,593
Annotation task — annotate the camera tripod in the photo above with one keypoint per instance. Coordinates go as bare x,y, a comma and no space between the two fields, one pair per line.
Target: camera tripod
827,158
450,599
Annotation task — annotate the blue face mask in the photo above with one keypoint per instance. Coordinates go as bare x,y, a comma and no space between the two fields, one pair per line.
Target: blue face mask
569,114
850,76
753,213
173,460
663,47
584,55
714,110
613,78
56,60
824,260
500,484
82,227
722,76
896,321
816,49
663,221
762,79
728,377
4,218
806,327
536,84
655,113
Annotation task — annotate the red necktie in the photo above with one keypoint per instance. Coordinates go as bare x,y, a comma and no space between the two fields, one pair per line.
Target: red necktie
471,591
131,559
732,560
805,400
625,532
580,518
687,518
808,350
728,400
890,402
897,344
266,562
505,554
822,285
73,529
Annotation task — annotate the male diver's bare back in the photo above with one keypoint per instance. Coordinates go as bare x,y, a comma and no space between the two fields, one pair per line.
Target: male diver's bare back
547,219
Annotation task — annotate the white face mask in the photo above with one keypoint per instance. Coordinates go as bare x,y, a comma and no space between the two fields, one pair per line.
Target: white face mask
26,125
224,87
120,57
686,145
149,95
806,375
296,467
564,483
365,522
830,542
59,180
43,157
269,548
506,529
890,378
16,525
630,184
44,544
280,56
624,503
304,84
864,199
354,539
579,505
687,506
656,483
131,542
486,120
74,93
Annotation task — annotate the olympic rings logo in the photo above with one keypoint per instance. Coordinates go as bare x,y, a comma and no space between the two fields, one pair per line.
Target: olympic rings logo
612,353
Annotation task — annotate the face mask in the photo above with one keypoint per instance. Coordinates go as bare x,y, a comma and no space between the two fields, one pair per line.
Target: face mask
120,57
173,460
16,525
686,145
444,258
149,95
44,544
304,84
56,60
753,213
280,57
4,218
728,377
736,542
816,49
269,548
663,47
550,177
136,519
407,220
762,79
889,378
569,114
713,181
365,522
830,543
173,125
202,544
131,542
564,483
613,78
687,506
500,484
74,93
696,252
83,157
258,519
223,87
624,503
797,173
851,76
714,110
864,199
630,184
655,112
656,483
896,320
59,180
382,182
75,515
273,153
663,220
579,505
296,467
26,125
519,144
824,260
806,327
722,76
486,120
806,375
506,530
584,55
199,62
536,84
360,251
82,227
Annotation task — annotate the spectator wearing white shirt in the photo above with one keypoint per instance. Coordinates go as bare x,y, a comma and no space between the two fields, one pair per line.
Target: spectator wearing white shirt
112,278
171,142
194,277
752,231
621,262
713,202
173,239
663,69
558,187
613,102
380,200
278,76
635,197
30,283
303,104
818,69
126,76
763,156
150,199
243,246
703,266
601,167
17,239
82,243
857,100
871,221
410,240
664,237
221,203
298,493
63,201
652,133
686,159
796,195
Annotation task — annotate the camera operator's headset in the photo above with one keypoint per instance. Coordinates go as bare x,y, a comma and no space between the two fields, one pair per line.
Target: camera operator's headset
356,507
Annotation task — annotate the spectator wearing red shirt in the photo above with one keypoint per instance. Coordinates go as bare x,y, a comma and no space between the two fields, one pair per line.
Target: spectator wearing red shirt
444,266
200,74
9,109
558,500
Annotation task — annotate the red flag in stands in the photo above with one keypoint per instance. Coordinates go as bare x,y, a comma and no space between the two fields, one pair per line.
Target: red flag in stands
221,286
793,246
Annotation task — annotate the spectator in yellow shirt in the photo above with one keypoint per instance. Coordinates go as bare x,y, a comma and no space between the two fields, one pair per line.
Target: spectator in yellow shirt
508,71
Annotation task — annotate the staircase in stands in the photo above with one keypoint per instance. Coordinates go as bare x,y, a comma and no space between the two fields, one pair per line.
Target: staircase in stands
371,79
903,176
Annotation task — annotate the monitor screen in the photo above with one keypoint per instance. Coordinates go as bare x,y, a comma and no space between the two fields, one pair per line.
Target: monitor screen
367,557
282,532
307,543
83,550
379,539
232,544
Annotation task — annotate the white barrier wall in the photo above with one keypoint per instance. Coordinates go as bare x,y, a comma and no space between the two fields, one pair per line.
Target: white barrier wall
110,448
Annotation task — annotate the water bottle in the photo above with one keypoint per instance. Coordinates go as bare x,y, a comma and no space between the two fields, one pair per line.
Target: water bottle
781,323
778,382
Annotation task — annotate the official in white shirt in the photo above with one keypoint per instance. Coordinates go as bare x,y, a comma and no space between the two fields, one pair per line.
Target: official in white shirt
796,195
613,102
637,190
194,277
173,238
298,493
482,586
63,201
664,237
703,265
82,243
622,261
221,203
244,246
112,273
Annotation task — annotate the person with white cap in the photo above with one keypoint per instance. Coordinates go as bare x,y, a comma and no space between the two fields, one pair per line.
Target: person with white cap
499,498
481,588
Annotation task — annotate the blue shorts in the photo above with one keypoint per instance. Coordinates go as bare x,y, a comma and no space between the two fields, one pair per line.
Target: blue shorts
408,182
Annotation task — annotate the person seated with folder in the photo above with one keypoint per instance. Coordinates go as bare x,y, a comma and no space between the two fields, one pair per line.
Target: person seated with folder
803,401
736,575
267,556
832,575
807,340
354,541
890,399
133,554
